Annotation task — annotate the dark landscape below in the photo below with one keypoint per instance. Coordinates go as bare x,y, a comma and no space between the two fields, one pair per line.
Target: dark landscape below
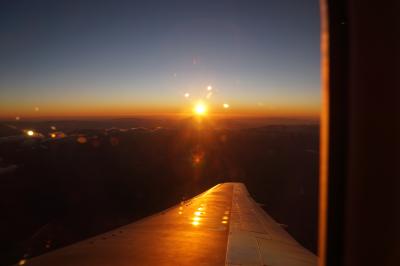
92,176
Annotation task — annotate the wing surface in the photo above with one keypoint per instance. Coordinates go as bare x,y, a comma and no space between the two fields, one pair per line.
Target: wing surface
222,226
257,239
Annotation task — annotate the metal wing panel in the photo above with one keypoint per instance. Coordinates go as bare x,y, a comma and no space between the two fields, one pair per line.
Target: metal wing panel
222,226
190,233
256,239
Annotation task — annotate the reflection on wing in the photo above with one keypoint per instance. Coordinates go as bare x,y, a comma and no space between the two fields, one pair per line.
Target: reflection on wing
220,226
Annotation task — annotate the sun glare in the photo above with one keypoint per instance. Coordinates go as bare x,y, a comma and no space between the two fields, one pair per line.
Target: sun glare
200,109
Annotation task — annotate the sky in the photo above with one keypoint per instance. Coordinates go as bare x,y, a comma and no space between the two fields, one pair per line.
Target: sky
121,58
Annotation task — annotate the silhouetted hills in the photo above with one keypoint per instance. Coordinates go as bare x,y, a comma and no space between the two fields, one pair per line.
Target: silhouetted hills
100,175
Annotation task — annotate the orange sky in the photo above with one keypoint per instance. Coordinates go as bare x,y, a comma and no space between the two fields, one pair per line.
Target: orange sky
77,109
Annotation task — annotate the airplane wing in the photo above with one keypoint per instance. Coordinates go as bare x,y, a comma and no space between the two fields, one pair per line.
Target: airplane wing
222,226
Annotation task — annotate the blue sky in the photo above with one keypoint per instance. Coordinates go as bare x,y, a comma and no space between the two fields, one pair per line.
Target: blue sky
145,55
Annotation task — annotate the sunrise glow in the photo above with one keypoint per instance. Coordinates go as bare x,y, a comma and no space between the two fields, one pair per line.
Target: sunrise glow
200,109
161,75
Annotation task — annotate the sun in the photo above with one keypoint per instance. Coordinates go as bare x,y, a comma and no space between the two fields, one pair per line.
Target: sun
200,109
